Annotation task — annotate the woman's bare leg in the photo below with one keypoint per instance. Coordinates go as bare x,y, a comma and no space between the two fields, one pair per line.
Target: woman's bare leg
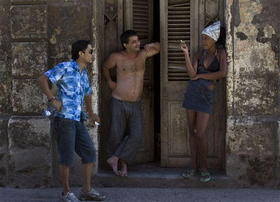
201,126
191,116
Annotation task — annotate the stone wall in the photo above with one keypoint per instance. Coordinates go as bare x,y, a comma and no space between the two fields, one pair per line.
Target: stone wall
5,58
34,36
252,91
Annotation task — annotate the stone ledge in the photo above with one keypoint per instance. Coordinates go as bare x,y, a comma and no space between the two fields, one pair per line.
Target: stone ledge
29,151
28,2
160,178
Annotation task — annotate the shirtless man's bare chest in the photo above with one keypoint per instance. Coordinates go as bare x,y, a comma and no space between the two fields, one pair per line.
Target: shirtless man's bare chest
130,74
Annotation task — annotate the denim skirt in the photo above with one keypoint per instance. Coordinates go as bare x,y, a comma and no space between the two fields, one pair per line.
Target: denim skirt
198,96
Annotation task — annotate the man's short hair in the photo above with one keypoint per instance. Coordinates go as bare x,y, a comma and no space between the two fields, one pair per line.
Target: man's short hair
80,45
125,36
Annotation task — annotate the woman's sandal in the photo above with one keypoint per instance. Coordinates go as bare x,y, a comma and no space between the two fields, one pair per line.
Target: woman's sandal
205,176
188,173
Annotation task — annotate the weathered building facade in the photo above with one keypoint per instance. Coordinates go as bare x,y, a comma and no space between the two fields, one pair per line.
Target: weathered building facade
243,131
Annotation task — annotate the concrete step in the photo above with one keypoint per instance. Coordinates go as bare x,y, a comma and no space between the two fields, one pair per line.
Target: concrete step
157,177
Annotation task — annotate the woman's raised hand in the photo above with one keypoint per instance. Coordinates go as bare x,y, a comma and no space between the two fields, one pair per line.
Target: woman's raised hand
184,47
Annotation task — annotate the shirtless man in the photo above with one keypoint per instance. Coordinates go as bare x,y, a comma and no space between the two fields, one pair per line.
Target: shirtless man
126,119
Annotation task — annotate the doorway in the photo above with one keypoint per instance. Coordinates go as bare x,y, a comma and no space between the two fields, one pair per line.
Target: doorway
157,119
165,126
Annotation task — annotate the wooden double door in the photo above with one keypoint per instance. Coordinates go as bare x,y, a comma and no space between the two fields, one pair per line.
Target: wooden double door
172,20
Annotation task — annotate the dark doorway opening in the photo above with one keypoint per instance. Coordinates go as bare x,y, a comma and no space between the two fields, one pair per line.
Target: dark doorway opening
156,74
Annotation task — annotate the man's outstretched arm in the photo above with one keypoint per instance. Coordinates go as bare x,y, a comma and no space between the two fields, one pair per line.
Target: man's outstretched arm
152,49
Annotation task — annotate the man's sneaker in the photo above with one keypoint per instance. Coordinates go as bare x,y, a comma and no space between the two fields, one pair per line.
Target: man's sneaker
69,197
92,195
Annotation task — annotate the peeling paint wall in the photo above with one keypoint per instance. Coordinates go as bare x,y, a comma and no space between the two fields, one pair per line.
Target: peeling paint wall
252,91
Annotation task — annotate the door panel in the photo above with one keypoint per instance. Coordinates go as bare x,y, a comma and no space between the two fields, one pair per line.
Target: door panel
184,21
174,27
138,16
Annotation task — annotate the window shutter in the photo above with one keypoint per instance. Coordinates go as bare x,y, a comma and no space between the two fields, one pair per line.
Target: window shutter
179,28
141,21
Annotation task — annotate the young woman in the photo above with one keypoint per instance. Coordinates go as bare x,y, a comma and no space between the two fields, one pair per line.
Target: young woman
209,65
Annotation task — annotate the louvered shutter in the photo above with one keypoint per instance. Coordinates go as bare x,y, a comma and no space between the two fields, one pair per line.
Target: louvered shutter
179,25
142,23
141,19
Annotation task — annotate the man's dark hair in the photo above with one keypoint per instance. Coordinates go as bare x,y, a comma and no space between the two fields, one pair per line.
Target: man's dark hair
125,36
80,45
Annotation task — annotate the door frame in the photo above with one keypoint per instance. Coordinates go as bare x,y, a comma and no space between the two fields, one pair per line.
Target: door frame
98,36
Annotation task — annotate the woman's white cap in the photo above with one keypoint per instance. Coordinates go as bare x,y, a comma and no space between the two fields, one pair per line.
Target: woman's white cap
213,30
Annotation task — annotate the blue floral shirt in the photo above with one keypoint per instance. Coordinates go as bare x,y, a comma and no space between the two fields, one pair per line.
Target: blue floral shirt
71,88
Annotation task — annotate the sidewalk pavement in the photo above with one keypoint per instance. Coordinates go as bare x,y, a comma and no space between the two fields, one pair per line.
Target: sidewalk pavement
149,194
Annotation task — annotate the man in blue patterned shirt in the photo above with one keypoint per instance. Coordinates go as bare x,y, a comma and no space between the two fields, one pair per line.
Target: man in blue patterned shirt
72,88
